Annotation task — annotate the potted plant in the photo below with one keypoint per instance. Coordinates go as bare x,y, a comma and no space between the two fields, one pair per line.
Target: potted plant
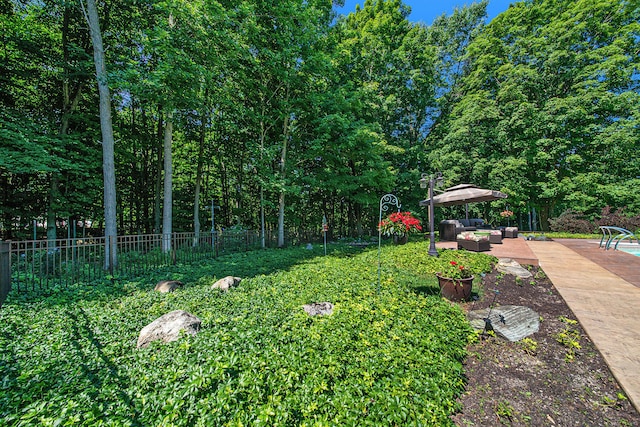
399,225
455,281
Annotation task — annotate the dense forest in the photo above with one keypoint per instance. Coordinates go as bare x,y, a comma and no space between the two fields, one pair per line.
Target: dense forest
281,112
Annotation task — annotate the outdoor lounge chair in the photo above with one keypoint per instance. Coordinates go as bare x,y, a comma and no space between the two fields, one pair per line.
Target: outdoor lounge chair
615,235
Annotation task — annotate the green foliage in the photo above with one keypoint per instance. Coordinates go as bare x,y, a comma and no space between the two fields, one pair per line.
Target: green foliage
529,345
392,357
275,99
548,86
505,412
570,338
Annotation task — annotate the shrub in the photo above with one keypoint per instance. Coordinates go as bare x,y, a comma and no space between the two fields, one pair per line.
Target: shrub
618,219
572,222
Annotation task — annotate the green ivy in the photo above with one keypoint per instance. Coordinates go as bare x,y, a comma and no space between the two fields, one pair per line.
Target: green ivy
387,356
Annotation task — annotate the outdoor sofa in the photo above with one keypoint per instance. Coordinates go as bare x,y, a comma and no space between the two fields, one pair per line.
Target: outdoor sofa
450,228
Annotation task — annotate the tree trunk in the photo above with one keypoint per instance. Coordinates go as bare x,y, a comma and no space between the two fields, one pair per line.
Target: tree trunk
158,183
262,228
545,211
224,188
69,103
167,204
283,159
196,201
51,212
108,163
263,243
358,213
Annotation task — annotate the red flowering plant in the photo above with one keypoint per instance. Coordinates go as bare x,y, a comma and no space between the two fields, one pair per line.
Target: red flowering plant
455,270
399,224
506,213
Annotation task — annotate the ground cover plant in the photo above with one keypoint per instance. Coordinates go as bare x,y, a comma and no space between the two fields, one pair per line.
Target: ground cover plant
389,355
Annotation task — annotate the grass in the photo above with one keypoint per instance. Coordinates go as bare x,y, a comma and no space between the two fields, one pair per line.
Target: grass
391,354
561,235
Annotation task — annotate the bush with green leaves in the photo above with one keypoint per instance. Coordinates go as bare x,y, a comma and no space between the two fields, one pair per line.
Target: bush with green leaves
388,355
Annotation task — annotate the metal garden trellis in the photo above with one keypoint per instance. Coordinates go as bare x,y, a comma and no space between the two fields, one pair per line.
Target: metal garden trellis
386,202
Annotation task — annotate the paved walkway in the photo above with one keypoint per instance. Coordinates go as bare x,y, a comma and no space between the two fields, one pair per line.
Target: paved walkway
620,263
607,306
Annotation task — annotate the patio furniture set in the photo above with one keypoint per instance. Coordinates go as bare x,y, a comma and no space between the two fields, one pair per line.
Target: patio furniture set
474,234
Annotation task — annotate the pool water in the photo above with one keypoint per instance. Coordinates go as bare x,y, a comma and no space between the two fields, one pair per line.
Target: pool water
632,251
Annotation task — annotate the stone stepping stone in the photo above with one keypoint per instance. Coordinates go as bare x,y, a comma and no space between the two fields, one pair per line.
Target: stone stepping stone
513,322
509,266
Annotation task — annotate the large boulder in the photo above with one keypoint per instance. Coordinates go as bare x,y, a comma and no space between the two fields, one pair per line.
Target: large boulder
226,282
165,286
168,327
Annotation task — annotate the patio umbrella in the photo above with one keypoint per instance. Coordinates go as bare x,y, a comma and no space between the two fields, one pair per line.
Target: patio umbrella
463,194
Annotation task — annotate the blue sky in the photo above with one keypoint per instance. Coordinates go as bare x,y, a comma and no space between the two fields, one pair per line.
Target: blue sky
427,10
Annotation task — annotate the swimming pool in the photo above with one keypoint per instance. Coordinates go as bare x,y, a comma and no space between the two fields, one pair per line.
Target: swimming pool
630,249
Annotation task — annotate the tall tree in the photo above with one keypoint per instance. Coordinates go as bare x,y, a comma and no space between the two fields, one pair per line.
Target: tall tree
106,126
45,70
372,108
549,86
281,37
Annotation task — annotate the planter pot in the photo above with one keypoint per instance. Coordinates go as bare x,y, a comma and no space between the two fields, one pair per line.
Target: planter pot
455,289
400,240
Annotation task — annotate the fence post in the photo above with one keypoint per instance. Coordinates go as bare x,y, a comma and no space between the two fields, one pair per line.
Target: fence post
216,244
110,247
5,270
174,248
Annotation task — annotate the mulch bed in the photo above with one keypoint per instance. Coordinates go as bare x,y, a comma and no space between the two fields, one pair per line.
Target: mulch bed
555,377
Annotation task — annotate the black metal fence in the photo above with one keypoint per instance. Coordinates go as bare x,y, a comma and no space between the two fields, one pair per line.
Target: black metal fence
40,265
34,265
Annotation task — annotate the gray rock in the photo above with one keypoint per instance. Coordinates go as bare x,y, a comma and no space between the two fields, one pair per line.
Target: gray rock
512,322
168,328
226,282
165,286
318,309
540,238
509,266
